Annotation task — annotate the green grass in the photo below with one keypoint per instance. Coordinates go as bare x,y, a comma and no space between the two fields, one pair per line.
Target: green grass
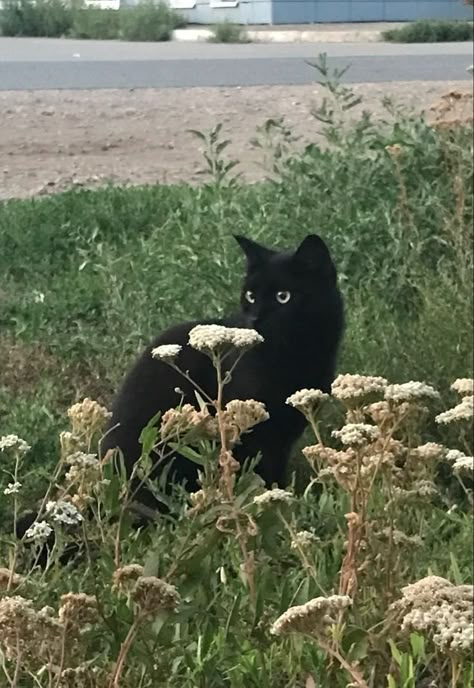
147,21
431,31
228,32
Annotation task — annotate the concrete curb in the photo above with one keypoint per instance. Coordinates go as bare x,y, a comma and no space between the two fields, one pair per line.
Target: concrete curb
293,36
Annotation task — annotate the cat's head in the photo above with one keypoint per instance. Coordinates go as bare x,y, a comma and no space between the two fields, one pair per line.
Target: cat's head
287,290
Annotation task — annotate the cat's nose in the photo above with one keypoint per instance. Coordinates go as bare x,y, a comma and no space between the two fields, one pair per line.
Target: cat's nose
252,320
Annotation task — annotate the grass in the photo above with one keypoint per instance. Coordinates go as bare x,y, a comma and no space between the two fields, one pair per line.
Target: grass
431,31
147,21
87,277
228,32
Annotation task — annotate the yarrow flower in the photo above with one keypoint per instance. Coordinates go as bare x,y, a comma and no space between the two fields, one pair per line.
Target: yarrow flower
166,352
38,532
12,488
273,496
434,605
87,416
304,539
14,442
463,411
410,392
313,618
77,609
63,513
307,400
463,386
428,451
357,387
218,338
357,434
151,594
126,576
460,462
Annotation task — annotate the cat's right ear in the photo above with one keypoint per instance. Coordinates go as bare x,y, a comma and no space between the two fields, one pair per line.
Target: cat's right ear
256,254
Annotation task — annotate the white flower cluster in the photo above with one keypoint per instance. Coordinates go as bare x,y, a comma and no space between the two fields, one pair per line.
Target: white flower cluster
273,496
357,387
12,488
307,399
444,610
429,451
463,411
463,386
212,338
38,532
166,352
410,391
14,442
357,434
316,616
460,462
62,512
304,539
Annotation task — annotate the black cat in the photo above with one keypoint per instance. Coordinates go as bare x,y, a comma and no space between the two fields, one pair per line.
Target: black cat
291,298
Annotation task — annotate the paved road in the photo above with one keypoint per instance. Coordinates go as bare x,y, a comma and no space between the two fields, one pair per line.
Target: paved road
62,64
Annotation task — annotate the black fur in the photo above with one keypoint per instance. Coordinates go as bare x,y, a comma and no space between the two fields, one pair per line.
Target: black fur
300,349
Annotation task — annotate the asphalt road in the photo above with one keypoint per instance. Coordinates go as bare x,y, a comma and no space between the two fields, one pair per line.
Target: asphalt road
32,64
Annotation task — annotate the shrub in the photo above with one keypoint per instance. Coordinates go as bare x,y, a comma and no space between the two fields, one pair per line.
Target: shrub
95,23
227,32
49,18
149,21
431,31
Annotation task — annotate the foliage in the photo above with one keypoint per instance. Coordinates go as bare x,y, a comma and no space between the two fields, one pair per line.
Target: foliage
147,21
228,32
87,277
431,31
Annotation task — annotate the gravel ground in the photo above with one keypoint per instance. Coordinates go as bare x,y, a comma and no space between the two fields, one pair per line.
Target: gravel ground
52,139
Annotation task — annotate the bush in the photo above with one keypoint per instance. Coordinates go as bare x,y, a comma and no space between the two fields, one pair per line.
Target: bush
96,23
48,18
149,21
430,31
227,32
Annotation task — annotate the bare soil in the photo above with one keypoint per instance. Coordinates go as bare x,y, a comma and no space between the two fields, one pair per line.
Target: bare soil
52,139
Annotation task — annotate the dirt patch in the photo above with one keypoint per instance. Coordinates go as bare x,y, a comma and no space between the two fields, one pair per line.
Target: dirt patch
52,139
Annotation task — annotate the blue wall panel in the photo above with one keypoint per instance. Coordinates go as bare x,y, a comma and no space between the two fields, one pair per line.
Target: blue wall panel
328,11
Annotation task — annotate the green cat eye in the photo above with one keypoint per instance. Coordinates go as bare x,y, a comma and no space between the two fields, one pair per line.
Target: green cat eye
250,296
283,296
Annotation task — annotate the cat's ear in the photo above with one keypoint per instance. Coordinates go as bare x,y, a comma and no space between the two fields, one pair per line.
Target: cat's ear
313,254
256,254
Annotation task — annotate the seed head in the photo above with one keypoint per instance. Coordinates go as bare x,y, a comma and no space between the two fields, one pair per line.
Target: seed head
77,609
313,618
126,576
152,594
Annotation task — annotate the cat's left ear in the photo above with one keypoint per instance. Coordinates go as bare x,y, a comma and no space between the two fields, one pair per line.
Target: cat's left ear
313,254
256,254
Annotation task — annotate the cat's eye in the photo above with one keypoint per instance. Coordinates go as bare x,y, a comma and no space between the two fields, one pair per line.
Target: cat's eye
250,296
283,296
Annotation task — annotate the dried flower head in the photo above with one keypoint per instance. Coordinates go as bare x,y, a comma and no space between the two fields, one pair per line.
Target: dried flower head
211,339
166,352
6,577
410,392
357,388
151,594
63,513
180,422
78,610
436,607
17,626
83,676
83,467
275,496
14,443
307,400
240,416
463,411
464,386
126,576
87,417
357,434
313,618
39,532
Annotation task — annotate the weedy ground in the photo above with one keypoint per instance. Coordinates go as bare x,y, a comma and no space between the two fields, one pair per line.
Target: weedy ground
86,277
